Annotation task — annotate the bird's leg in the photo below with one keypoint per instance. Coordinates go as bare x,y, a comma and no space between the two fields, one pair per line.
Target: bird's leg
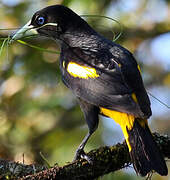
91,116
80,150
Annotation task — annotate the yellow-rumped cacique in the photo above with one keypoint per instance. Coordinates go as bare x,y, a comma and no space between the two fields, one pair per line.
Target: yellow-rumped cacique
106,80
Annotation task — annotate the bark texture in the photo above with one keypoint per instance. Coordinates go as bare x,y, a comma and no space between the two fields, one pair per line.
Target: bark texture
105,160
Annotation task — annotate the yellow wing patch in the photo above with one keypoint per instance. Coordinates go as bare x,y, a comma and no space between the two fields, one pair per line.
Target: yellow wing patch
134,97
139,68
125,120
79,71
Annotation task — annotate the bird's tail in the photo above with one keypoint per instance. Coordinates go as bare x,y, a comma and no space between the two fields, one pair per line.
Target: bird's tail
143,150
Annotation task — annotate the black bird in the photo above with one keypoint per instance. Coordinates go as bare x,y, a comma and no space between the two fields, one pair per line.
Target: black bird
106,80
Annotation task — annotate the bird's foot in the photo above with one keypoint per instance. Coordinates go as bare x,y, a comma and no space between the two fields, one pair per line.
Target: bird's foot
81,154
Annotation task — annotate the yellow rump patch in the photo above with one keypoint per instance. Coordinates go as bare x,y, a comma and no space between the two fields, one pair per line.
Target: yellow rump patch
125,120
79,71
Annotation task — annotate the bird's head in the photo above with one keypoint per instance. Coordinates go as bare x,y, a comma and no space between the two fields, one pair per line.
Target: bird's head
53,22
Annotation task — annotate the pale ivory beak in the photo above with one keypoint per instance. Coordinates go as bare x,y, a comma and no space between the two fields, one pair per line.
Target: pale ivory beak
25,31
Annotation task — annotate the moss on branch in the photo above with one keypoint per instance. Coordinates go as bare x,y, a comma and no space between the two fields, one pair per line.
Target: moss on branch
105,160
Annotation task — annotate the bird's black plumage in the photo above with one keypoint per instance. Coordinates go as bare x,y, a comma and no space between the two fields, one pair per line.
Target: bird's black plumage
106,79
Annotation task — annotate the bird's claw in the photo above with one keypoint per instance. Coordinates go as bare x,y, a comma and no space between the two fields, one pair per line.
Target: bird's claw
81,154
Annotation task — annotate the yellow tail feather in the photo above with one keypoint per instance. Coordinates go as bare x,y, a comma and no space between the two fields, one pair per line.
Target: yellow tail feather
125,120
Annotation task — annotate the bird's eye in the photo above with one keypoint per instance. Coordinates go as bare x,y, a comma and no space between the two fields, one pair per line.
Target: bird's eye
40,20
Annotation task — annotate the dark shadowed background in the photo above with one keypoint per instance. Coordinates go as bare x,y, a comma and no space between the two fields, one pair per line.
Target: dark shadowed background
39,114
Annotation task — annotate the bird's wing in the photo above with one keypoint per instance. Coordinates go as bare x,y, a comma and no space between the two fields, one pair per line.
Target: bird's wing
106,81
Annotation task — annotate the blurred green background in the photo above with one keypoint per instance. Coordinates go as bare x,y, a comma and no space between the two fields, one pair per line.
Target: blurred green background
39,114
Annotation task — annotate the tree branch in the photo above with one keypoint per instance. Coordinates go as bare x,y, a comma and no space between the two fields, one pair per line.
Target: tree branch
105,160
15,170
